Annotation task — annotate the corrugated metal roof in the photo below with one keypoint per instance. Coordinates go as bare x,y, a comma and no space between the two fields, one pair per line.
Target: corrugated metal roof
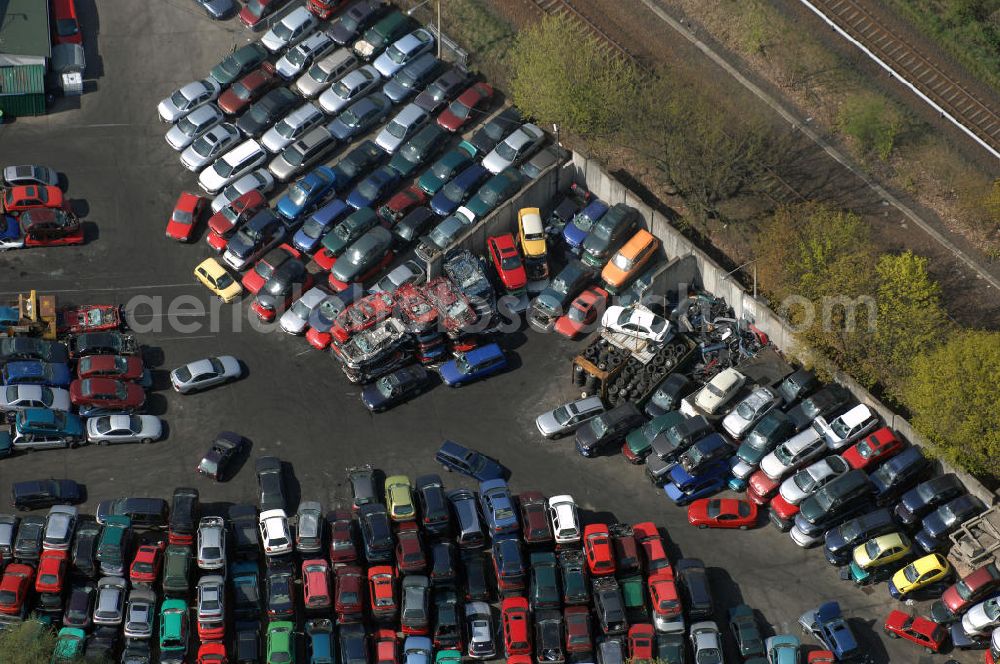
21,80
24,28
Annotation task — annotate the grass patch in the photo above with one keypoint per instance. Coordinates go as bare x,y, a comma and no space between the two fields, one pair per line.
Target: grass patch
872,122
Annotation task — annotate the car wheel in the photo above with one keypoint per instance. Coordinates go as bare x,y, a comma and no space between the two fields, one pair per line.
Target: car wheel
702,526
147,441
743,527
102,442
23,508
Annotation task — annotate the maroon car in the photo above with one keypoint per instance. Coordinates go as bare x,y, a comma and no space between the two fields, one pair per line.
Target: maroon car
248,89
535,517
228,220
399,205
350,596
577,621
627,560
410,556
119,367
462,111
253,14
971,588
106,393
343,550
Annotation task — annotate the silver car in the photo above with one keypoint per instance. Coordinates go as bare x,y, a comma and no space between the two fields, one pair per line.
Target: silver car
30,174
291,127
207,147
211,543
309,527
323,73
296,59
812,478
404,50
482,634
296,319
211,598
742,419
59,527
303,153
352,86
18,397
515,148
188,98
259,180
202,374
409,272
108,429
193,125
8,531
109,609
140,614
706,642
293,28
402,127
568,417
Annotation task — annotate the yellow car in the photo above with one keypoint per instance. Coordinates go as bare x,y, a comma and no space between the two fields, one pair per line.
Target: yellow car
628,260
878,552
218,280
921,573
531,232
399,498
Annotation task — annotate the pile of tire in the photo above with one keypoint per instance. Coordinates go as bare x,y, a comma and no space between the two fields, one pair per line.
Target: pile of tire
637,380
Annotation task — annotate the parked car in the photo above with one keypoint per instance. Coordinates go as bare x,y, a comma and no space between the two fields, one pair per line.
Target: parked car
946,519
873,449
187,98
474,365
110,429
36,494
202,374
291,29
607,429
927,496
722,513
927,571
828,626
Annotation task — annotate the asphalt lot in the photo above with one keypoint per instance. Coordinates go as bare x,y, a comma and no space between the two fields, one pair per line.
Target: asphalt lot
296,403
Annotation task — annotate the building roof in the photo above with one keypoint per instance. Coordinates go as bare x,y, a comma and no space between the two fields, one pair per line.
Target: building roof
22,80
24,31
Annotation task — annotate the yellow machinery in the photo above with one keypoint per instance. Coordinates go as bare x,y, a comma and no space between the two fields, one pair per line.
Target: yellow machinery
37,316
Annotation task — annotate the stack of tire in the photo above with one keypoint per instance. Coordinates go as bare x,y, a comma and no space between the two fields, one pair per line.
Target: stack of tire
636,381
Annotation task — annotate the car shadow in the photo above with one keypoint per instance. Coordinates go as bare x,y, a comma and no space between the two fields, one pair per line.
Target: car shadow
164,430
156,404
160,379
869,640
588,517
153,356
293,488
80,207
240,461
90,26
91,232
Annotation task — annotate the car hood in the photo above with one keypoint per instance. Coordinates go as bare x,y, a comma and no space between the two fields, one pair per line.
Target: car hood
547,422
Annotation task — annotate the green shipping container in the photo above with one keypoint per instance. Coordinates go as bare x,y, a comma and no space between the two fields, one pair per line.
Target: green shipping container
22,90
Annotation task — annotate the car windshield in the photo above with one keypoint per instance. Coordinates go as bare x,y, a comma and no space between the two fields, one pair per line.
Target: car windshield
285,129
715,390
294,157
348,22
489,195
623,263
223,168
708,656
784,455
872,549
178,99
396,129
577,315
369,189
746,411
506,152
296,57
911,574
395,54
216,365
349,118
204,146
301,309
182,217
840,428
66,27
864,449
282,31
462,365
224,281
599,426
561,414
241,90
804,481
299,194
340,90
187,125
210,552
453,192
313,228
459,110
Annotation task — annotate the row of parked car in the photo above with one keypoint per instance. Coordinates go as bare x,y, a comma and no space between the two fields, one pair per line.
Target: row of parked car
34,210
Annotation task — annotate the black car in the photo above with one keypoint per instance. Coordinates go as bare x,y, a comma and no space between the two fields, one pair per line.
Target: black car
142,511
413,76
549,636
835,497
266,111
827,401
28,543
288,278
435,517
358,161
443,89
102,644
102,343
137,652
695,587
447,630
353,643
798,385
496,130
34,494
376,532
401,385
893,476
840,541
609,606
612,231
241,61
476,576
574,578
946,519
360,116
668,394
607,429
279,584
218,461
185,510
671,648
926,496
415,152
244,531
256,234
271,480
413,225
443,571
246,643
84,549
32,348
354,19
465,460
745,631
366,485
80,605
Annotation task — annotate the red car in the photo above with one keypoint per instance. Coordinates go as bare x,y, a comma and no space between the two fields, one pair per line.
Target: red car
324,8
52,572
324,259
255,11
213,652
917,629
349,602
106,393
147,562
211,631
461,111
14,587
648,537
223,224
783,509
186,213
382,592
50,227
117,367
760,487
343,550
584,311
971,588
399,205
253,280
248,89
577,622
507,262
65,24
316,584
722,513
89,318
536,524
641,642
663,595
32,196
873,450
820,657
516,626
410,556
386,647
627,560
597,546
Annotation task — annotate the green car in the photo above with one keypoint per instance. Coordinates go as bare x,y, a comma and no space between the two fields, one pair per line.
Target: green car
239,62
448,657
346,232
634,594
69,645
444,169
497,189
111,547
639,442
177,570
743,625
416,151
174,629
280,649
544,586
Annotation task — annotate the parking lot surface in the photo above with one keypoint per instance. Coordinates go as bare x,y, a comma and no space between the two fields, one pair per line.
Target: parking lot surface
296,403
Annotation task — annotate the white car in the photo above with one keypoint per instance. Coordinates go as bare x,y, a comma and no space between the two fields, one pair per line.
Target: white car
352,86
296,319
233,165
748,412
794,453
297,59
108,429
191,96
18,397
140,614
260,180
706,642
60,523
211,543
515,148
293,28
847,428
7,242
565,520
403,51
982,618
205,373
402,127
636,322
193,125
26,174
812,478
409,272
718,392
209,145
211,596
291,127
274,532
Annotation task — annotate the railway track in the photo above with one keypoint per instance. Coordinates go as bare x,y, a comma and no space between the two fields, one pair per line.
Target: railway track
556,7
959,105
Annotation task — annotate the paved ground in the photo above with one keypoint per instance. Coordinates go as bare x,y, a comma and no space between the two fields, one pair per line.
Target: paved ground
295,403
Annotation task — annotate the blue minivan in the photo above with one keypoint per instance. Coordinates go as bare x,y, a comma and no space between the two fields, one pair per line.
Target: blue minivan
33,372
307,238
478,466
472,366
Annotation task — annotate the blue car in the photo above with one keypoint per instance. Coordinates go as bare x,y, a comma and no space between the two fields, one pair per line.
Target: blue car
827,624
498,508
417,650
32,372
10,233
474,365
373,188
470,462
453,194
307,192
576,231
46,422
246,589
308,237
684,488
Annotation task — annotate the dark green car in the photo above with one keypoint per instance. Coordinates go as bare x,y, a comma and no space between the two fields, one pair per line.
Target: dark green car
497,189
543,591
743,625
349,230
239,62
359,160
609,234
771,431
444,169
639,442
573,574
416,151
634,593
111,548
177,571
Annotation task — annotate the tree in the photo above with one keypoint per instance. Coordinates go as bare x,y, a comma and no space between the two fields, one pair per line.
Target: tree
28,642
952,394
